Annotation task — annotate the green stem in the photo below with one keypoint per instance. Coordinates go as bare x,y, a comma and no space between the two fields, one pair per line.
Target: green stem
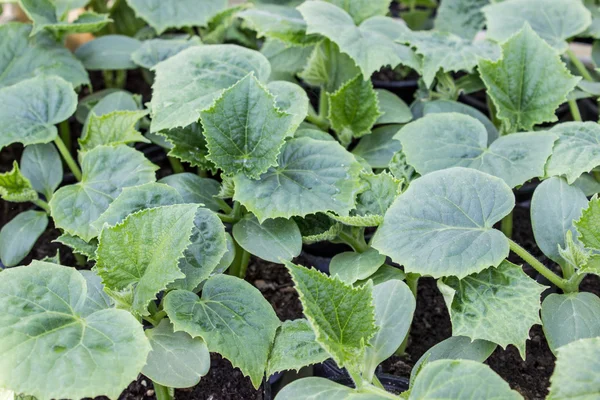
66,155
42,204
240,262
356,242
120,78
65,133
507,225
176,165
492,110
162,392
318,121
323,104
230,219
596,175
377,382
538,266
575,110
579,65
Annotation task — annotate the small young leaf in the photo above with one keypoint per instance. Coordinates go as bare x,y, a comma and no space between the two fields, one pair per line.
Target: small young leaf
232,317
443,224
195,189
576,372
278,22
587,225
109,52
44,15
79,246
15,187
350,267
19,235
153,51
393,109
379,147
117,127
383,274
460,17
42,166
189,145
317,228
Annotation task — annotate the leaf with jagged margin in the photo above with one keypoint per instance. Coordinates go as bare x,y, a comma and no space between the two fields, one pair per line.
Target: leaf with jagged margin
460,17
361,10
498,304
177,360
232,317
15,187
295,347
554,207
379,147
285,59
189,145
317,228
78,245
350,266
42,166
195,189
529,83
162,15
153,51
448,52
328,67
18,236
44,15
442,225
570,317
576,151
117,127
108,52
316,388
25,57
54,328
401,169
460,380
106,171
143,251
588,226
439,141
353,109
105,101
291,99
193,79
555,21
393,109
279,22
30,109
311,176
371,44
205,252
244,129
576,373
342,316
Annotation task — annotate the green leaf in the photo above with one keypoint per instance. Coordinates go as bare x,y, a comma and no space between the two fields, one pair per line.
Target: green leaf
311,176
278,22
371,45
62,6
443,224
527,98
350,267
105,101
439,141
141,254
110,52
18,236
42,166
79,246
448,52
342,317
317,228
15,187
44,15
117,127
162,15
153,51
588,184
576,372
291,99
315,388
195,189
106,171
460,17
383,274
53,329
177,360
295,347
460,380
570,317
554,207
379,147
555,21
361,10
353,109
189,145
26,57
232,317
274,240
499,305
587,225
190,81
30,109
284,58
393,109
576,151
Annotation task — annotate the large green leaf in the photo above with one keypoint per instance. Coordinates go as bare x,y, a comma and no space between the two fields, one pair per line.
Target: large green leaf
30,109
576,151
141,254
232,317
295,347
54,328
153,51
177,360
371,44
350,266
555,21
393,109
342,316
461,17
278,22
15,187
311,176
439,141
106,171
499,305
190,81
528,83
117,127
109,52
44,15
18,236
42,166
443,224
379,147
162,15
244,129
25,57
576,374
570,317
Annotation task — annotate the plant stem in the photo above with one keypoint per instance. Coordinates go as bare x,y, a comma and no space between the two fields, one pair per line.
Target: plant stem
323,104
538,266
162,392
357,243
579,65
507,225
176,165
574,110
65,133
42,204
81,260
120,78
240,262
66,155
227,218
492,110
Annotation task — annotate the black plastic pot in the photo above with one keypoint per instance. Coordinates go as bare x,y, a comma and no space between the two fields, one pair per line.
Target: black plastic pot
319,255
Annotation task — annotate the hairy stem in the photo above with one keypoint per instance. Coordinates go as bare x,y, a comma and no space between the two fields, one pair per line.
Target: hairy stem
42,204
240,262
66,155
507,225
176,165
538,266
579,65
162,392
323,104
356,242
